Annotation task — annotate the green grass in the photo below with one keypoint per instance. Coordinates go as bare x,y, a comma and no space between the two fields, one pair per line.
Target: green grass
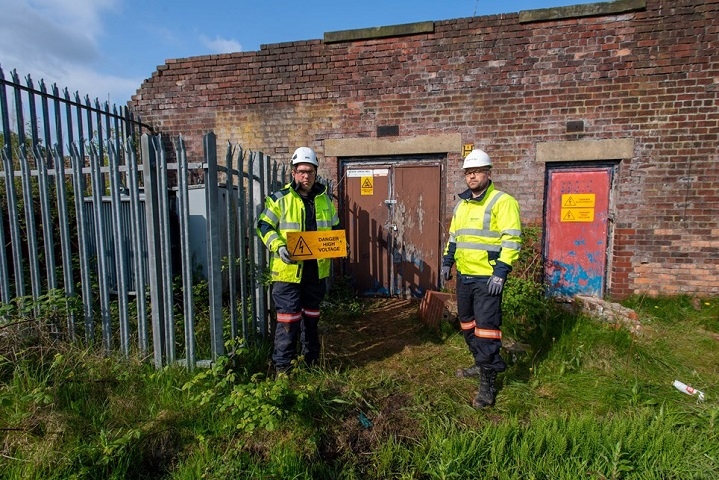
587,400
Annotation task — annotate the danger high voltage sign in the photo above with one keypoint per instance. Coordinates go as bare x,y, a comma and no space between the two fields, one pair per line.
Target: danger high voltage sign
316,245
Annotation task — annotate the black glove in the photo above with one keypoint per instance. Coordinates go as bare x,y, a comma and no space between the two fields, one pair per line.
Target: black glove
495,284
285,255
446,272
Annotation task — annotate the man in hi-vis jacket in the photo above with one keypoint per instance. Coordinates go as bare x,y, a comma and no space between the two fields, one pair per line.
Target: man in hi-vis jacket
484,241
299,286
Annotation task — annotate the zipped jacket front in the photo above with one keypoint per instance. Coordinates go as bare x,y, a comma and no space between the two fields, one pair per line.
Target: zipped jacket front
484,231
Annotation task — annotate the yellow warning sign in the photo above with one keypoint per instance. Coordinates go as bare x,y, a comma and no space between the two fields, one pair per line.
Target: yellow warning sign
367,185
578,200
467,148
316,245
577,214
577,207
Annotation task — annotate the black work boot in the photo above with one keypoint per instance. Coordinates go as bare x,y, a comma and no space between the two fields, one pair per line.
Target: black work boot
469,372
487,391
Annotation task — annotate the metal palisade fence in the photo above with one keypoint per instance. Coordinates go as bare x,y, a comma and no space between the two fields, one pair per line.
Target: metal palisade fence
160,250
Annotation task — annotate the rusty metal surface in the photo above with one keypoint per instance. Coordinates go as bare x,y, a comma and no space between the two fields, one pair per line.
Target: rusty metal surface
416,229
393,228
366,233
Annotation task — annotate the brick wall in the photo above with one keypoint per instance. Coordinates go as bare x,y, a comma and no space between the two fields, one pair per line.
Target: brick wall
648,71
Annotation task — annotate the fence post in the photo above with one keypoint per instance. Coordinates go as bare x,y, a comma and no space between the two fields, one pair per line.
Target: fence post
186,261
154,248
120,247
98,188
138,243
231,237
214,260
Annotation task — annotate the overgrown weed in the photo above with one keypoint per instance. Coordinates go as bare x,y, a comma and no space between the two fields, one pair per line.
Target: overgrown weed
585,399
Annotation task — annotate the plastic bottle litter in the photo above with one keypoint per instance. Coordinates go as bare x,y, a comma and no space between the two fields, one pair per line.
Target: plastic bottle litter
683,387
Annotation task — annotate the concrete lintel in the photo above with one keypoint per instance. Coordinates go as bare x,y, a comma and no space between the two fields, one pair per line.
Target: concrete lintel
585,150
585,10
379,32
368,147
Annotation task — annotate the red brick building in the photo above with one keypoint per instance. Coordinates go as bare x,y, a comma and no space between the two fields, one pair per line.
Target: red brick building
601,119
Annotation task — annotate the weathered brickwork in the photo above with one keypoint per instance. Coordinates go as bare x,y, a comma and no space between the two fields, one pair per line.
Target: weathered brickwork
649,73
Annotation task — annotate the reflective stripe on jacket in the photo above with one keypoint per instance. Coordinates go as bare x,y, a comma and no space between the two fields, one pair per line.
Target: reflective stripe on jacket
484,231
285,212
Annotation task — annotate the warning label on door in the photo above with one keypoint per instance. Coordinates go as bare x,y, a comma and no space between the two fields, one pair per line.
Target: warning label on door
577,207
578,200
367,185
316,245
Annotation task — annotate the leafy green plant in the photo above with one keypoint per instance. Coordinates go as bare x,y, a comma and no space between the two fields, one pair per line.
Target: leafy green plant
523,298
251,401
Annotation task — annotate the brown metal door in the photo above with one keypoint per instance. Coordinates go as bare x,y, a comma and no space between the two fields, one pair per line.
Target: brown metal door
393,228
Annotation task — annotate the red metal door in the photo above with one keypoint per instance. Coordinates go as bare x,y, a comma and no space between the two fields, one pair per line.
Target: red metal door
393,228
576,231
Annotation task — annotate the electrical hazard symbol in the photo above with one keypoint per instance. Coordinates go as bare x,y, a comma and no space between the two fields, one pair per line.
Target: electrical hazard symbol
301,249
367,185
316,245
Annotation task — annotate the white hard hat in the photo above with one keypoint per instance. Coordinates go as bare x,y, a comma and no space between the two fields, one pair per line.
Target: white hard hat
477,158
305,155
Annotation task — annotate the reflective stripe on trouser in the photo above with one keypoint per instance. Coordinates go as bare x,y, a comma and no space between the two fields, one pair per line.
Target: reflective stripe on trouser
298,312
480,316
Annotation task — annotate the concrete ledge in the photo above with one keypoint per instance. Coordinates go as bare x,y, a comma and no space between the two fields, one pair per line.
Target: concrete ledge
585,150
367,147
587,10
379,32
609,312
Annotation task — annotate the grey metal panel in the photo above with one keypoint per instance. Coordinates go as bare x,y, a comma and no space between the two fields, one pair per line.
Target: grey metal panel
109,239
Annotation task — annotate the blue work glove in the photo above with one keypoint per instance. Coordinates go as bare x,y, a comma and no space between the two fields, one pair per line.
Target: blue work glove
446,272
285,255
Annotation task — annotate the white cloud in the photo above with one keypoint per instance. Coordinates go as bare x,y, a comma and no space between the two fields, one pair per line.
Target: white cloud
56,40
221,45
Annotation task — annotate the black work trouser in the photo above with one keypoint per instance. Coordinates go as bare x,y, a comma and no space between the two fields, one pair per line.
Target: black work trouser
298,313
480,315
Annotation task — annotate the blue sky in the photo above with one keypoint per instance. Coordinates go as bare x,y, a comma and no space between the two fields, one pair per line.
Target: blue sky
107,48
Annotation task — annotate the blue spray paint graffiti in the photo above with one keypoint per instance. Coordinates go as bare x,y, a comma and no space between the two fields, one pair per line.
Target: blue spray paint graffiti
567,280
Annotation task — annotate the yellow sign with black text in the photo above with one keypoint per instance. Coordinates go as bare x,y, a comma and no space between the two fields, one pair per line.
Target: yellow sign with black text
578,200
316,245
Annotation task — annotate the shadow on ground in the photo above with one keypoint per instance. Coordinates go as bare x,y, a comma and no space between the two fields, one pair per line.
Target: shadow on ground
384,328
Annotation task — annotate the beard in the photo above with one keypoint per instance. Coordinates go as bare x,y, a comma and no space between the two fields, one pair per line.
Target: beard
479,188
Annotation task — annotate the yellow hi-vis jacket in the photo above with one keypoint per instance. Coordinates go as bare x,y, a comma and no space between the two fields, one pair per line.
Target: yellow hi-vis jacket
483,232
285,212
